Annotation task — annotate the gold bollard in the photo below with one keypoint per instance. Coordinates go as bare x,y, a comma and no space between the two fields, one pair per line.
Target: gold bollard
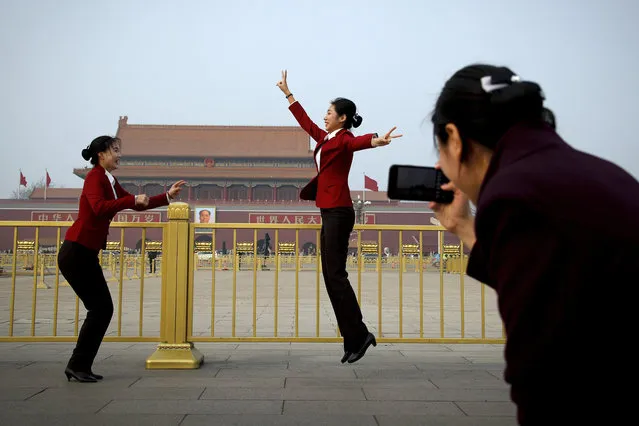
41,283
175,352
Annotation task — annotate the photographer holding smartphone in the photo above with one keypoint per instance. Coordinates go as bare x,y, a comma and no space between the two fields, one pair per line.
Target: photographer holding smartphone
544,211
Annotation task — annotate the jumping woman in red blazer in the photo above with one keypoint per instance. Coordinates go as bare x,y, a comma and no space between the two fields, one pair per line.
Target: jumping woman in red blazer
102,197
333,157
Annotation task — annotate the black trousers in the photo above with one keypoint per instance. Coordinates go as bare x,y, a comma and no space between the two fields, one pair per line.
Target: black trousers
337,225
81,268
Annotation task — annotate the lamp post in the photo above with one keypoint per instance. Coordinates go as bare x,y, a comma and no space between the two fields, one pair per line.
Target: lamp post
359,206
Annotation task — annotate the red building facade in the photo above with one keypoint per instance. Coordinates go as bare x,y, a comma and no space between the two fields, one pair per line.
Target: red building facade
241,174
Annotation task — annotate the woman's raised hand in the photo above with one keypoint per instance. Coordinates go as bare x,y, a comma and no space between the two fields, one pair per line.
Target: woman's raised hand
386,139
282,83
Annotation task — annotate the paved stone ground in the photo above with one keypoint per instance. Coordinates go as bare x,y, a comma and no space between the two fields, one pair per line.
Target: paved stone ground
260,384
126,299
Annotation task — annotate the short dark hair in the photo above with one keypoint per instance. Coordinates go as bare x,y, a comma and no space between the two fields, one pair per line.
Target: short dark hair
484,101
347,107
98,145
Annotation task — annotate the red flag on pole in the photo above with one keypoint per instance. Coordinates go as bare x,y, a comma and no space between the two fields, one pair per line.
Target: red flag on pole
23,180
370,184
48,181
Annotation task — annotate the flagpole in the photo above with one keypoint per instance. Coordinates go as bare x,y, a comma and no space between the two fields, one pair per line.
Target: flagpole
19,183
46,173
364,191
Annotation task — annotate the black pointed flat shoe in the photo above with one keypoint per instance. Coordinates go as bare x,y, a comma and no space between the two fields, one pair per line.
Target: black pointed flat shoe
356,356
80,376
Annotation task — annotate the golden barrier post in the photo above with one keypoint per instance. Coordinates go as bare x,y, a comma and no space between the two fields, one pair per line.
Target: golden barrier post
175,352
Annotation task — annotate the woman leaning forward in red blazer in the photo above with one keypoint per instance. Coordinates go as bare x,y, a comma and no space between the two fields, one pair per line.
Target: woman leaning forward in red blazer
102,197
333,158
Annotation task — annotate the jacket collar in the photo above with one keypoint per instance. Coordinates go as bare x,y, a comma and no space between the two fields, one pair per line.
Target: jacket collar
328,137
518,142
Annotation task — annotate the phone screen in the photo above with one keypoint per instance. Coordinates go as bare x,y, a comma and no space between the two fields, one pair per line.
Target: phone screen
417,183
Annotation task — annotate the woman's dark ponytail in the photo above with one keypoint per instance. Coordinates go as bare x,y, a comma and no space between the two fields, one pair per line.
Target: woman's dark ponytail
357,120
86,154
98,145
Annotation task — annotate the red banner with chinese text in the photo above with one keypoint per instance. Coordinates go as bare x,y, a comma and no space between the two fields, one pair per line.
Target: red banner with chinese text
70,216
296,218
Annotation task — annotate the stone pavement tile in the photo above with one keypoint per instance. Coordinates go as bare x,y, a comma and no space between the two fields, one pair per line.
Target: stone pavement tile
419,347
334,362
411,420
280,420
11,368
55,377
257,356
42,356
88,406
300,382
489,409
407,372
263,346
371,407
237,372
193,407
477,347
113,370
485,362
289,394
26,419
197,382
309,371
316,347
278,365
428,365
14,393
423,393
465,379
436,358
324,358
444,372
496,372
78,393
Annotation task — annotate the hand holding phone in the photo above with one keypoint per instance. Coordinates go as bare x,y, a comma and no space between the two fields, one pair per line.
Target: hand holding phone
418,183
456,216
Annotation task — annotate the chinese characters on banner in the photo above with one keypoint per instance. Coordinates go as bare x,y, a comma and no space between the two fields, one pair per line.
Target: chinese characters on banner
297,219
67,216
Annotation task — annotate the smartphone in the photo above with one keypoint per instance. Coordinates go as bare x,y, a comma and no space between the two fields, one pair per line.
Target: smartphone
417,183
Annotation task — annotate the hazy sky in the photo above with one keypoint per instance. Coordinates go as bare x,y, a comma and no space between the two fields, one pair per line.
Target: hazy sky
70,68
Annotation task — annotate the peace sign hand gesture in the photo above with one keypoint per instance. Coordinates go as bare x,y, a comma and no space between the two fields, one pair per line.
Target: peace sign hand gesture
383,141
282,83
176,188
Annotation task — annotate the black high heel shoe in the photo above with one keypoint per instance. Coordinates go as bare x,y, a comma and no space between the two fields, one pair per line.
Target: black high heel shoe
80,376
356,356
97,376
346,356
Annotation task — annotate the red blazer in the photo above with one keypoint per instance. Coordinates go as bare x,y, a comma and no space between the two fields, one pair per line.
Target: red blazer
98,206
330,187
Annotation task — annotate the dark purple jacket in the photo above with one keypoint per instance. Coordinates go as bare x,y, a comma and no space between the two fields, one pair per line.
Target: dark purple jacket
558,239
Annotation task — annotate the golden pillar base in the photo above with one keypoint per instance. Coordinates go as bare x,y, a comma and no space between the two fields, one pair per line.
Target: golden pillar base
175,356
